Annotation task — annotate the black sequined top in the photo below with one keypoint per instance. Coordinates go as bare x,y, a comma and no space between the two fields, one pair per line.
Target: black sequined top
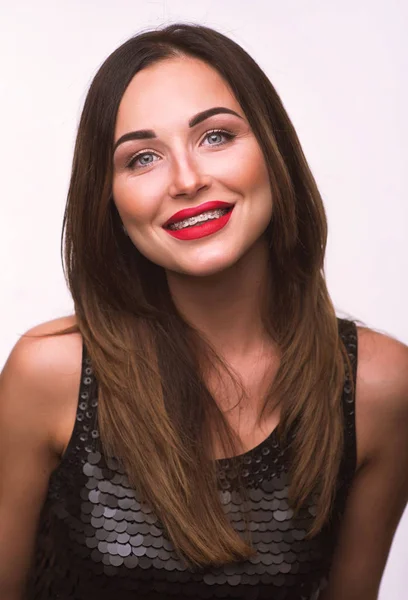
97,540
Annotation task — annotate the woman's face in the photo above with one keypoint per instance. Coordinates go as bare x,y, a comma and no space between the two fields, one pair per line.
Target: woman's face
183,165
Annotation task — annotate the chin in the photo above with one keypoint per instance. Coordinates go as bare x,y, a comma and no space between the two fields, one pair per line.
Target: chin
206,269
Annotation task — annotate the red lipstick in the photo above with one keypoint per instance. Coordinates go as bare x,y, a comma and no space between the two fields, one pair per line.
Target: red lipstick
186,213
202,229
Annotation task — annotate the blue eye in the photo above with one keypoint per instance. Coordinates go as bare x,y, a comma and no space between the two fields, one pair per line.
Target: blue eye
143,156
140,159
216,136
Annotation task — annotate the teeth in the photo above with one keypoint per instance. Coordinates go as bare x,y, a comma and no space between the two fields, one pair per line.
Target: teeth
205,216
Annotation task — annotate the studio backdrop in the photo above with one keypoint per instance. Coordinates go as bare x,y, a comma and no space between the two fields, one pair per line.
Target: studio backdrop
340,68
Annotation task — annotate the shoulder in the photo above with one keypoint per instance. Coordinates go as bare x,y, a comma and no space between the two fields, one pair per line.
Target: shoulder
381,393
41,358
379,491
40,381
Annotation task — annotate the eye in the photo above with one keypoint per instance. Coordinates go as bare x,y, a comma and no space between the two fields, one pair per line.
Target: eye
218,137
142,160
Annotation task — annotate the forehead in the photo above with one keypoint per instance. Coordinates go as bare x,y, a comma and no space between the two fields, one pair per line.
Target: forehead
168,93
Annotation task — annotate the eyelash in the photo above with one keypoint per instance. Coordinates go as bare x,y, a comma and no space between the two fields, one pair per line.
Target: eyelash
230,136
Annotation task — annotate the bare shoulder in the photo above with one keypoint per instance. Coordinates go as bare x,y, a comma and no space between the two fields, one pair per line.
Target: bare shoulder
379,491
381,392
382,370
40,381
41,359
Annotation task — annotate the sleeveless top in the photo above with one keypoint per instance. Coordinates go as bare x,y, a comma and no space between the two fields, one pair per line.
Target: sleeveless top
97,540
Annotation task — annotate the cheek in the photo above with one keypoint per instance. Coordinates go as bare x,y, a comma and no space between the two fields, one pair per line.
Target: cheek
247,170
254,172
134,202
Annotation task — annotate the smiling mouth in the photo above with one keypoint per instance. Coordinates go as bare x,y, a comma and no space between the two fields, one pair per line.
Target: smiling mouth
204,217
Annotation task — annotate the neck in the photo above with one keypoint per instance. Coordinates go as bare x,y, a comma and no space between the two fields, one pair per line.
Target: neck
227,307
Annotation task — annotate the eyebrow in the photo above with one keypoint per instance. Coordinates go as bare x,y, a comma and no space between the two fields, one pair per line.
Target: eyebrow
145,134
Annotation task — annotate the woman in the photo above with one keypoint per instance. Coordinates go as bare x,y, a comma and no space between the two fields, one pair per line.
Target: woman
191,431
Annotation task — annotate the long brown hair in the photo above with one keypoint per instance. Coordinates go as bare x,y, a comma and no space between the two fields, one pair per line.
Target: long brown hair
156,412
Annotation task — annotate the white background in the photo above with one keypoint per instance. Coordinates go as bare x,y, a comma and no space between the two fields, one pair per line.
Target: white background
341,69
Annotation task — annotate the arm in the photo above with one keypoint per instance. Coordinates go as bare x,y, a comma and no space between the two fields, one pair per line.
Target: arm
36,387
380,489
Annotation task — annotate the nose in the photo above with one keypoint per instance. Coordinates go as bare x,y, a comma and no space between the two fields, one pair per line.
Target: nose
187,178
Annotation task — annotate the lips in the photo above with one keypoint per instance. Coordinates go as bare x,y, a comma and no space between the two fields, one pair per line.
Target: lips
196,210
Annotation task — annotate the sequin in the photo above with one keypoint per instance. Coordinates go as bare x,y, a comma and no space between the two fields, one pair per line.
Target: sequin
97,539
